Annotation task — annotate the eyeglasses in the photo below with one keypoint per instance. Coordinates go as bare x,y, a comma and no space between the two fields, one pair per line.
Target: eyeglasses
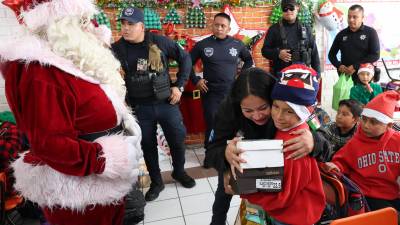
287,8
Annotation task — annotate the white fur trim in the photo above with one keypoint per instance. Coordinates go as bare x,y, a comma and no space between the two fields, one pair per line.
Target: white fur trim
122,157
366,69
377,115
28,48
48,12
48,187
301,111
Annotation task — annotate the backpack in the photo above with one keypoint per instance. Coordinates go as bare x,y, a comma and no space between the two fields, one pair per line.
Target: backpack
343,197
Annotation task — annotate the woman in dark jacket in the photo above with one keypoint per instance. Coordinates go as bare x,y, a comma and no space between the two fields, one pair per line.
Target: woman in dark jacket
233,121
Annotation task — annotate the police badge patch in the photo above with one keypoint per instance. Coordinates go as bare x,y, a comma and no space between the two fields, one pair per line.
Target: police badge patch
208,52
129,11
233,52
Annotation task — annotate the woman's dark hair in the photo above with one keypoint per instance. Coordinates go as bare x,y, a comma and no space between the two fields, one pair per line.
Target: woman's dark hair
355,106
252,81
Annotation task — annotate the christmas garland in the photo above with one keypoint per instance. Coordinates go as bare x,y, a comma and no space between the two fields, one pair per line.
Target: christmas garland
178,3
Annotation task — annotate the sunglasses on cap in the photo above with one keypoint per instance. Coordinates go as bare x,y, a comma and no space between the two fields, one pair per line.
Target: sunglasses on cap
288,7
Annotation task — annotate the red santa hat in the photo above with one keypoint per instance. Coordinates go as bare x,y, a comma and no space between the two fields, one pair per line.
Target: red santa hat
367,67
382,107
39,13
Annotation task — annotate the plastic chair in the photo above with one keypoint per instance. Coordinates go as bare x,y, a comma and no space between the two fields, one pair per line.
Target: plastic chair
7,203
386,216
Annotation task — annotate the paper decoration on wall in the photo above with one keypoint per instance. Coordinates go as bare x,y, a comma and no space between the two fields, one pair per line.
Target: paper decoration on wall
329,16
250,37
102,19
172,17
195,18
151,19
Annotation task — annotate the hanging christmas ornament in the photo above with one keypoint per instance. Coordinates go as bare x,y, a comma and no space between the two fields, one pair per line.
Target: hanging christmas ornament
151,19
305,13
172,17
102,19
276,14
195,18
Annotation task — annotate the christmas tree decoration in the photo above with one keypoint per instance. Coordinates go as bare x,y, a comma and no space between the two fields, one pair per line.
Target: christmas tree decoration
172,17
195,18
151,19
102,19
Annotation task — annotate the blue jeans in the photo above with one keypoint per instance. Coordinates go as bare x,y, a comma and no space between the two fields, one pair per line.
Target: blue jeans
221,204
170,119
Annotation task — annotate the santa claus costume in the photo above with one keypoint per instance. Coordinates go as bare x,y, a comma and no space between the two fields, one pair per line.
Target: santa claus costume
67,96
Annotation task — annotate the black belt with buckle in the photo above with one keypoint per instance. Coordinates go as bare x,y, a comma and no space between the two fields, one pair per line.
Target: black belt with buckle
93,136
195,94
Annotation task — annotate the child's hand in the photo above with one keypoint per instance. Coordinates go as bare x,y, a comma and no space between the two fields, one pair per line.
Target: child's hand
227,186
328,166
369,88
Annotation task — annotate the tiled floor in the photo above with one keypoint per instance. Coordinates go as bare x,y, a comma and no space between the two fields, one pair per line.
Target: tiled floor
177,205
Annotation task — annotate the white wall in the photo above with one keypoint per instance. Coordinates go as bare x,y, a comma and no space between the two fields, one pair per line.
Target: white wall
7,27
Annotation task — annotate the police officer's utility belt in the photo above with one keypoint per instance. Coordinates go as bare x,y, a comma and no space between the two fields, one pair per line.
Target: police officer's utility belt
149,85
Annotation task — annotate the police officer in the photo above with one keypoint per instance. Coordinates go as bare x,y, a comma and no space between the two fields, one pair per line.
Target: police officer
144,58
290,41
357,44
220,55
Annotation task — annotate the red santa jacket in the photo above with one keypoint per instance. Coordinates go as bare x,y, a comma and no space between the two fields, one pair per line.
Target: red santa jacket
373,164
53,103
302,199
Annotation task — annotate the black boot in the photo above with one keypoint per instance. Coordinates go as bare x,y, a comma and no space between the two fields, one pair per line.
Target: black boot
154,191
184,179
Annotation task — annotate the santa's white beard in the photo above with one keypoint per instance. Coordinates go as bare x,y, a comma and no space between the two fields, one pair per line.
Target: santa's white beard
76,40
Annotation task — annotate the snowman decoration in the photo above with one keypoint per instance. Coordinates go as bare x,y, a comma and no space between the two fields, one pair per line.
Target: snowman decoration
330,17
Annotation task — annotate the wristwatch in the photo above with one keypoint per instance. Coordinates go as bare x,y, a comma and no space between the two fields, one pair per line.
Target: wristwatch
181,89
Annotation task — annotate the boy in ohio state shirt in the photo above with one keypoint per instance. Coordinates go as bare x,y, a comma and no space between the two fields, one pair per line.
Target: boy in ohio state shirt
372,157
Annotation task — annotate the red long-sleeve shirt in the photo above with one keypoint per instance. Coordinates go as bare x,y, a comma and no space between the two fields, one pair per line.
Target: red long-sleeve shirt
373,164
302,199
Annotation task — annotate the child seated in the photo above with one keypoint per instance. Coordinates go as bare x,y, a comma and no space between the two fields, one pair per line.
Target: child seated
372,157
339,132
301,200
366,90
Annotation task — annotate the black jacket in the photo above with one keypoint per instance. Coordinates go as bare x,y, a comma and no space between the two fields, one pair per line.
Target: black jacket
355,48
129,53
229,122
273,44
